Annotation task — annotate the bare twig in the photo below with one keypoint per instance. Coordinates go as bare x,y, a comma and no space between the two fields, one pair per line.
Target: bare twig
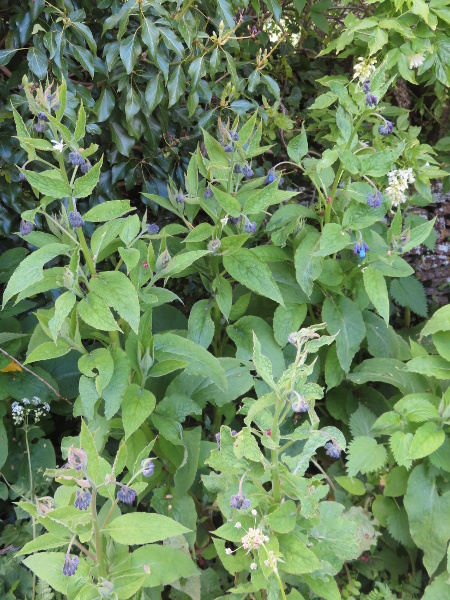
35,375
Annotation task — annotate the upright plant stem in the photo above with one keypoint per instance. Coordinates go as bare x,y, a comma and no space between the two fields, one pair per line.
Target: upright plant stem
33,594
98,535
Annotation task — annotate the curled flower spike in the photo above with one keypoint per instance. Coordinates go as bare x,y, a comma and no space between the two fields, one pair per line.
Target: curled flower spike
374,200
371,100
229,148
247,172
366,86
70,565
148,467
75,219
208,193
126,495
153,228
42,117
333,449
83,500
386,129
39,127
25,227
76,159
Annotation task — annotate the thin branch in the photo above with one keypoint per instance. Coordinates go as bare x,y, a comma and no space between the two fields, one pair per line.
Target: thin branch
35,375
83,549
316,464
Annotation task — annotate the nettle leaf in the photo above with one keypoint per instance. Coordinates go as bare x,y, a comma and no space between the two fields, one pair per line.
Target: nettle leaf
344,319
429,516
440,321
361,422
364,455
431,366
418,408
400,443
244,266
409,292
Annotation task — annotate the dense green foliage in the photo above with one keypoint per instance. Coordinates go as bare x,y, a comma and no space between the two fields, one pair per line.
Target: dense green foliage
226,383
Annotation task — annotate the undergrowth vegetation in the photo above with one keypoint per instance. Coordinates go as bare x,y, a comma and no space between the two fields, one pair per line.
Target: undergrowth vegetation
219,373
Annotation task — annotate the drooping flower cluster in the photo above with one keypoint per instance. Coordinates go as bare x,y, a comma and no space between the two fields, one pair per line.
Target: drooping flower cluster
253,539
83,500
75,219
153,228
374,200
387,128
21,411
399,179
333,449
70,565
126,495
148,467
360,248
239,501
25,227
364,68
249,226
247,172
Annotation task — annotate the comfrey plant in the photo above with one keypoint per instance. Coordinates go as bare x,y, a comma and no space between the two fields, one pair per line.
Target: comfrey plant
272,490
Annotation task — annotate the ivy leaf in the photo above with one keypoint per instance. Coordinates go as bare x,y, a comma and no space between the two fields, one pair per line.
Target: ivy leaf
176,85
343,317
409,292
364,455
253,273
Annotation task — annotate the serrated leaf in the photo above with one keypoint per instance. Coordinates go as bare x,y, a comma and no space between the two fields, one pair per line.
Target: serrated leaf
84,185
400,443
48,183
364,455
410,292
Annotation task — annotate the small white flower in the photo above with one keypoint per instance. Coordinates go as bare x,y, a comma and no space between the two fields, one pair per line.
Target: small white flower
228,551
254,513
57,145
238,525
224,221
364,69
416,60
253,566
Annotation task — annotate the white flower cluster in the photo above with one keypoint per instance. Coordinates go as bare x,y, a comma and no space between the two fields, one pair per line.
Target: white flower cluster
416,60
364,68
20,411
399,179
253,539
271,561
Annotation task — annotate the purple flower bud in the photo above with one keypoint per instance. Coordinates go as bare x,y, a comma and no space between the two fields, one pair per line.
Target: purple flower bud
148,467
270,177
153,228
237,168
214,245
366,86
83,500
208,193
70,565
22,176
234,220
86,167
42,117
355,249
300,407
250,227
25,227
76,159
218,440
332,449
234,136
229,148
386,129
126,495
374,200
371,100
75,219
39,127
180,198
248,173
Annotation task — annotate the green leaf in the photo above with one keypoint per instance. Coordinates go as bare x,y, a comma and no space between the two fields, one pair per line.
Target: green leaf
418,235
63,307
266,197
227,202
150,36
298,559
169,346
417,408
426,440
48,566
410,292
364,455
187,471
180,262
431,366
84,186
298,147
154,92
88,395
172,41
85,58
119,293
323,101
143,528
389,371
343,316
379,163
95,312
104,105
429,517
396,482
6,56
262,364
333,239
283,519
137,405
196,71
308,266
352,485
107,211
45,541
98,365
30,271
38,61
129,50
286,320
440,321
201,326
400,443
168,564
376,288
252,272
115,390
48,183
49,350
177,85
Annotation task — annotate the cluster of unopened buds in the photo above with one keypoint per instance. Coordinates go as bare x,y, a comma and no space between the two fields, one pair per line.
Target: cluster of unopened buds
239,16
75,219
152,228
21,411
214,245
333,449
254,31
249,226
